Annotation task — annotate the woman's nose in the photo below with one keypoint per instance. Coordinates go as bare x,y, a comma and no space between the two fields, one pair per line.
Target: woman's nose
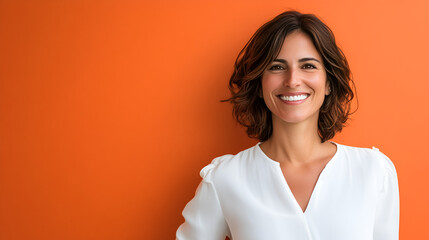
291,78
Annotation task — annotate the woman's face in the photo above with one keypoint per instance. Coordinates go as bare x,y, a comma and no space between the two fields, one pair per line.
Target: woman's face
294,85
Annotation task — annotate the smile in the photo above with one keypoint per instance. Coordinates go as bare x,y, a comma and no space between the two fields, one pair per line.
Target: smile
294,98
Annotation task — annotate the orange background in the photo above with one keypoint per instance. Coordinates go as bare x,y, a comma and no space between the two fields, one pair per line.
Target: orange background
109,109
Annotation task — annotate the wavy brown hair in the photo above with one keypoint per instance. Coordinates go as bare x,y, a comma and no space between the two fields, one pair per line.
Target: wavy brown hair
245,83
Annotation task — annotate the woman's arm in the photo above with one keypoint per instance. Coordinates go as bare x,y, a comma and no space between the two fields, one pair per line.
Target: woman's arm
203,215
387,213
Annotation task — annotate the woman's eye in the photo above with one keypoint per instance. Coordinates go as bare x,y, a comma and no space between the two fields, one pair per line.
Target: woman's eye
276,67
309,66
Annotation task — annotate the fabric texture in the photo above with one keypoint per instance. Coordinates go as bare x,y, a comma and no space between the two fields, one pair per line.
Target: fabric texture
246,197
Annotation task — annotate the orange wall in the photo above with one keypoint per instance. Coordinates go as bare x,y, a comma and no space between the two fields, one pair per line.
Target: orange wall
109,109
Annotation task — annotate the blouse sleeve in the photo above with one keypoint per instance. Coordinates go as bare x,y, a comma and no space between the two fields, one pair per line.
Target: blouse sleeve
386,225
203,214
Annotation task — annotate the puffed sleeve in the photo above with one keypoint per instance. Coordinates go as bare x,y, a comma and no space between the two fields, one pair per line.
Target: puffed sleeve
386,225
203,215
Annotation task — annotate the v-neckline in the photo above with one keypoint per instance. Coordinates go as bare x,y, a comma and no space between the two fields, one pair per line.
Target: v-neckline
286,185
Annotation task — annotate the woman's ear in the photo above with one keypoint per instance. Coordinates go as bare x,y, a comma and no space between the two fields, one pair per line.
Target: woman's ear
328,89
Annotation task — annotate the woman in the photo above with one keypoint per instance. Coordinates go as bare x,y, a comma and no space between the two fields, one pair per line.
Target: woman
291,89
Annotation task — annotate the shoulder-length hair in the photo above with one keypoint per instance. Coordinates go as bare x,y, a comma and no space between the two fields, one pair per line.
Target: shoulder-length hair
245,86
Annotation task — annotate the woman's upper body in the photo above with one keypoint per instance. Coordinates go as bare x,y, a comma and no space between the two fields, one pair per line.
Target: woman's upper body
246,197
291,89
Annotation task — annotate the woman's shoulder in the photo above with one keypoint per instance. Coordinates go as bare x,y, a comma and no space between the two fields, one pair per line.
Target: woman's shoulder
205,173
226,164
368,156
372,152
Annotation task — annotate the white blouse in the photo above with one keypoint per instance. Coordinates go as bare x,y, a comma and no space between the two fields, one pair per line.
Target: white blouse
246,197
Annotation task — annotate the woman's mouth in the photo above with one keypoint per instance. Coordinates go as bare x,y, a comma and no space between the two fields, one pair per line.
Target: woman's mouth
295,98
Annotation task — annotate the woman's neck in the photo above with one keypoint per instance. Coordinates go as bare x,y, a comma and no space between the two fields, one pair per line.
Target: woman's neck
294,143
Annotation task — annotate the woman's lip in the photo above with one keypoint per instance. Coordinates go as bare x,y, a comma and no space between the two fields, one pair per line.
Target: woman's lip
293,102
293,94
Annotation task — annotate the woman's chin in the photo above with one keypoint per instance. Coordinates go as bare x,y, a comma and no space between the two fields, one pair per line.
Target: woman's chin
293,118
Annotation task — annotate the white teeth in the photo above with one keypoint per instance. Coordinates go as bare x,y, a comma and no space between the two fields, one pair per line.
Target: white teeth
293,98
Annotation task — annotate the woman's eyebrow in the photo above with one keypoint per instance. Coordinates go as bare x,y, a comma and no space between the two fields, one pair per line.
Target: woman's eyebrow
280,60
308,59
300,60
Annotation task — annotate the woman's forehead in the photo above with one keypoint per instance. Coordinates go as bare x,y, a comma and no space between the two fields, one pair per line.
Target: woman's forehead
298,45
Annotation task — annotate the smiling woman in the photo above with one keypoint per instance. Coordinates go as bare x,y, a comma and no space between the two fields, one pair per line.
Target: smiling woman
291,88
294,86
